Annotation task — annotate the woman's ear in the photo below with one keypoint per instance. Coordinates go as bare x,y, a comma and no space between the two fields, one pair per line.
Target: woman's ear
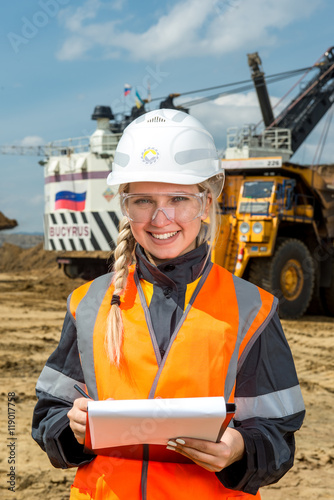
207,206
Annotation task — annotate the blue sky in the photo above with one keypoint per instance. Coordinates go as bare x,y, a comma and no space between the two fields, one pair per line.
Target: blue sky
60,58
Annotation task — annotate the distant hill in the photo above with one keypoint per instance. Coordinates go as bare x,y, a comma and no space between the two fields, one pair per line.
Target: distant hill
21,240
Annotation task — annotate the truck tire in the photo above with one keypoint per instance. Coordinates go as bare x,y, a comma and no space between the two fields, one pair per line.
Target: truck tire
328,295
316,307
86,268
71,271
289,275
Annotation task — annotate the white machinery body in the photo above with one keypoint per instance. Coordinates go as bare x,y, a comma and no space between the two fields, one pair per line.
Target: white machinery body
81,211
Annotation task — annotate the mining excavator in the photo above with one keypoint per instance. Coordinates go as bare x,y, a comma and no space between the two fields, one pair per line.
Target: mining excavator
278,217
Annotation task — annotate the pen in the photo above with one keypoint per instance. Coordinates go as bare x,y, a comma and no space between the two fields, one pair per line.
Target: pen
81,391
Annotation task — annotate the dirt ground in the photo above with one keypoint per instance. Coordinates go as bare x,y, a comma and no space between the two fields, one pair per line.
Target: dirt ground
32,307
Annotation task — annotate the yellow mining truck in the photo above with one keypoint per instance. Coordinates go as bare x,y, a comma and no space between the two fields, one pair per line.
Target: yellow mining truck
278,232
277,218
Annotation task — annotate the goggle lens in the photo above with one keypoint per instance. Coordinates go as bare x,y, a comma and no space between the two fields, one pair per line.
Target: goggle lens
178,207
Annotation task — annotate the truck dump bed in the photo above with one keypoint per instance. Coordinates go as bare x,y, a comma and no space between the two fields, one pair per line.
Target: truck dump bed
320,180
324,185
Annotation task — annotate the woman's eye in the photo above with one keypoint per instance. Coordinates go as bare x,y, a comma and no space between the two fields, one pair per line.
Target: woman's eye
178,199
142,201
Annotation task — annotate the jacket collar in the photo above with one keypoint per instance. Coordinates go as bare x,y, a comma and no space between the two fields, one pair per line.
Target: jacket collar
180,271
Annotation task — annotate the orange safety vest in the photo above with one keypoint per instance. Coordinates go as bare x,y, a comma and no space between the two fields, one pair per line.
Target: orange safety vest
222,319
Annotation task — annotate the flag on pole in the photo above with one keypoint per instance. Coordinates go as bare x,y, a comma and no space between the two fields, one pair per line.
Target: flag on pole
139,99
138,103
127,89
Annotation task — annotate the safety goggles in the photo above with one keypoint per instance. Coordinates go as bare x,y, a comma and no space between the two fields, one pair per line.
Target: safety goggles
177,207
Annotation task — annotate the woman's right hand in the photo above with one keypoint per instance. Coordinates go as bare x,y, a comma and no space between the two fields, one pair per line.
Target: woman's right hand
78,417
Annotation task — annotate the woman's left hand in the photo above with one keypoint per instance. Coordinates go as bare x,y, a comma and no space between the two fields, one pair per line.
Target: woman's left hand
211,456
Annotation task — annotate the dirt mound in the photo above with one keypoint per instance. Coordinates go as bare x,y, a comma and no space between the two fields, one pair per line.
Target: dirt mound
14,258
6,223
23,240
35,270
32,308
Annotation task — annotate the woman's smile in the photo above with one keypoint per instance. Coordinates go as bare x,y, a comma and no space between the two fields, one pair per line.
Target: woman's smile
162,237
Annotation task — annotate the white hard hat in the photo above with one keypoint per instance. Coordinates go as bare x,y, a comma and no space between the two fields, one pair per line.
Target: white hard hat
166,145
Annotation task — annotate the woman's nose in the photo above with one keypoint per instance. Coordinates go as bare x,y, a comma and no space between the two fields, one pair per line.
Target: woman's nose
162,217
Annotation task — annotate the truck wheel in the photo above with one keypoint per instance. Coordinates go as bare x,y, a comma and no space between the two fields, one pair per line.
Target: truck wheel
328,295
86,268
289,275
316,307
71,271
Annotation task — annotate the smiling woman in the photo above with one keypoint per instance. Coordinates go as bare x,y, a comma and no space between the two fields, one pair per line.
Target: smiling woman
168,323
165,224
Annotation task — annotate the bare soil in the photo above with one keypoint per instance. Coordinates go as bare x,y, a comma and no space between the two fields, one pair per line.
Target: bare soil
33,294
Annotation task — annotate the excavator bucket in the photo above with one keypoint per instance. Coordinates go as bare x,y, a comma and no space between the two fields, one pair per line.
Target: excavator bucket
6,223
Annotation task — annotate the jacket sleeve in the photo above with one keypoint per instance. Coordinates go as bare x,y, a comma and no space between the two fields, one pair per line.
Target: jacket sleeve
270,409
56,394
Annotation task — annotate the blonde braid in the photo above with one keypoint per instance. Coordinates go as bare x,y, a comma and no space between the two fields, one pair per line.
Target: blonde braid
123,259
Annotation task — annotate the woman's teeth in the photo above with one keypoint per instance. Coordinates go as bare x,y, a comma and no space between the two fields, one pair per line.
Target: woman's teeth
164,236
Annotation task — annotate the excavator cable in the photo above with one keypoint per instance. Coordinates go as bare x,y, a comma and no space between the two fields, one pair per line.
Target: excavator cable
250,86
270,79
323,138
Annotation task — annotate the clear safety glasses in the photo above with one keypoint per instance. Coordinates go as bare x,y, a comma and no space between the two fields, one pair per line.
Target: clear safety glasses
177,207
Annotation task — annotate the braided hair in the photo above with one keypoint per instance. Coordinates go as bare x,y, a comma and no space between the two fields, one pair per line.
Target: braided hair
124,256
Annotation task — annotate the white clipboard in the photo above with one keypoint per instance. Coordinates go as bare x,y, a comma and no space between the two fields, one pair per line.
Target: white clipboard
114,423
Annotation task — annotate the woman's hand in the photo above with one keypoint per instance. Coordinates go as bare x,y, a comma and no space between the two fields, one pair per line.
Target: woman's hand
211,456
78,416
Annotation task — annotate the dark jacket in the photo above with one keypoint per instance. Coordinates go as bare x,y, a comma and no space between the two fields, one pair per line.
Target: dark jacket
267,373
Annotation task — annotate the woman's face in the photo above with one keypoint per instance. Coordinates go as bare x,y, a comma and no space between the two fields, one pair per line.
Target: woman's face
162,238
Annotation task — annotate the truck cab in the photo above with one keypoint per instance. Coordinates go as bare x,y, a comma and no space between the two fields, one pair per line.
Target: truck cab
265,203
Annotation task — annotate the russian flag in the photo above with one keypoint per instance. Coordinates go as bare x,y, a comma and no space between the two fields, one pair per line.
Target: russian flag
127,88
70,201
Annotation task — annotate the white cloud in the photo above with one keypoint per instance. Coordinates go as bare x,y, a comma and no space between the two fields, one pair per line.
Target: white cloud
188,28
175,33
73,20
234,110
73,48
32,140
255,23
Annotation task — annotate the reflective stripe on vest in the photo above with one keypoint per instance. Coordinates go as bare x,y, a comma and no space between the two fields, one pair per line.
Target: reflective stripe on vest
203,357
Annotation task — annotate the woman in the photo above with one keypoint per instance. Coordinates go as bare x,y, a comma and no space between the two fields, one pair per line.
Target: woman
170,325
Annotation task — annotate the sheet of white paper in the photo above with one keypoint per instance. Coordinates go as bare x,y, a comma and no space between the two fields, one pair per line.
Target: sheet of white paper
154,421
